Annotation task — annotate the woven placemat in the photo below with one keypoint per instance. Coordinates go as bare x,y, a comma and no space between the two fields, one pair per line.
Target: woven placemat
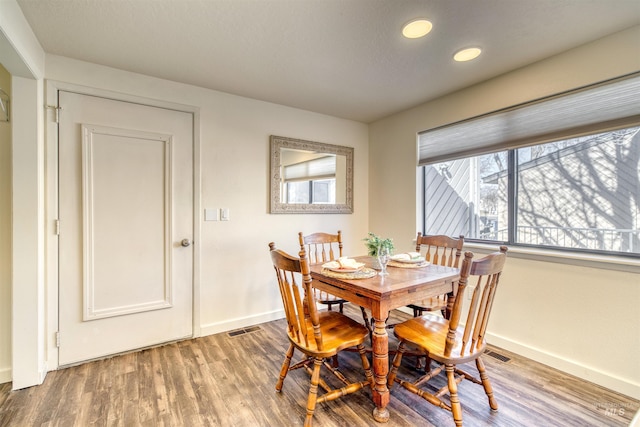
363,273
407,264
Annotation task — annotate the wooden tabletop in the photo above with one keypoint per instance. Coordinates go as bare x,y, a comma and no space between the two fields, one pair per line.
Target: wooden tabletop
400,287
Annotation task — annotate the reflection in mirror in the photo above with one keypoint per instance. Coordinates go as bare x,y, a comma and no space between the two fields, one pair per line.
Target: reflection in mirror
310,177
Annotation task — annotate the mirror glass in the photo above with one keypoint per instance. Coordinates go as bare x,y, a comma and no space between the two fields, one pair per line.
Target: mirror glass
310,177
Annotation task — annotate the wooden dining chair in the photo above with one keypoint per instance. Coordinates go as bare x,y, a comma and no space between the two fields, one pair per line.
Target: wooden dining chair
321,248
451,343
439,250
318,335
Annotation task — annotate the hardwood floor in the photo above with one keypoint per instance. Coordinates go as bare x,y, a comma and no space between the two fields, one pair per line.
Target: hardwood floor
224,380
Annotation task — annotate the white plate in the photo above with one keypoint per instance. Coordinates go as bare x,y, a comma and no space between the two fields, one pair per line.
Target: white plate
409,261
358,267
344,270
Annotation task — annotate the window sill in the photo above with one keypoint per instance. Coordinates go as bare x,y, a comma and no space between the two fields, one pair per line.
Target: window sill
615,263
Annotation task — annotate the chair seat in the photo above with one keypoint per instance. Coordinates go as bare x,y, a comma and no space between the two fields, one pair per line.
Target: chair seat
429,332
338,332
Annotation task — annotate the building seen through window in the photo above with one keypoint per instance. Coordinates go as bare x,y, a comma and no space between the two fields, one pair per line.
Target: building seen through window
579,194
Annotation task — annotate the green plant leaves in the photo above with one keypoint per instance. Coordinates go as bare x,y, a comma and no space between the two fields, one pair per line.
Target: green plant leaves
373,242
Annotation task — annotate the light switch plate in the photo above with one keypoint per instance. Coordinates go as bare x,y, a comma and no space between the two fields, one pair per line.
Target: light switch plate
224,214
211,214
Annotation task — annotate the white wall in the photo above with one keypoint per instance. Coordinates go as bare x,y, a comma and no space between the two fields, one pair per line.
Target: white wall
583,320
23,58
237,284
5,238
28,240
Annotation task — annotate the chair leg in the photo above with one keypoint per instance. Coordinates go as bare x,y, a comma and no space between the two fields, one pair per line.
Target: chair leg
427,363
313,391
456,408
396,364
368,325
285,367
419,363
367,366
334,361
486,384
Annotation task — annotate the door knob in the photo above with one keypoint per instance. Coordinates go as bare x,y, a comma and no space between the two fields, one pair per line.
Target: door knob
185,243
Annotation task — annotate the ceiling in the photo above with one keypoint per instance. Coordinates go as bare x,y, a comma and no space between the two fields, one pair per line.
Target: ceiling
344,58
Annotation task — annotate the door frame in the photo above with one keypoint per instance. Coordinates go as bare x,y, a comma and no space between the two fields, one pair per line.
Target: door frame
52,194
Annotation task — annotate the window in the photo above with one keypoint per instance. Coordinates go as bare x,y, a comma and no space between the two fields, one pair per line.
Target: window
560,172
320,191
578,193
311,181
324,191
298,192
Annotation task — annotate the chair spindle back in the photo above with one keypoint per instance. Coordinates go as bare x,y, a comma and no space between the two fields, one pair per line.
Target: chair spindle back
485,273
294,281
440,249
322,247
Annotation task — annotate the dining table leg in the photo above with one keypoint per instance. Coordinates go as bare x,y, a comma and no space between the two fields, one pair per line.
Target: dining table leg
380,352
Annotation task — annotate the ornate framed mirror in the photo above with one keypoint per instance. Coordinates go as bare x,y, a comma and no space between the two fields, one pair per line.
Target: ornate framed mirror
310,177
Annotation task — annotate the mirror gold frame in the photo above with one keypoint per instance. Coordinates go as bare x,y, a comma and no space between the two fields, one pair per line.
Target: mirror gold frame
280,143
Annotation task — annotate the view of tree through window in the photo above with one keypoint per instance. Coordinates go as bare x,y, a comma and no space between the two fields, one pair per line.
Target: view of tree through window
580,193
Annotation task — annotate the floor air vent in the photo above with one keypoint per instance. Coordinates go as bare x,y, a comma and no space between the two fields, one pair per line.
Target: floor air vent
243,331
498,356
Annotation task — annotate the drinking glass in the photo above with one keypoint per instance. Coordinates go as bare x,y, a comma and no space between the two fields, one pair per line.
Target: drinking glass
383,259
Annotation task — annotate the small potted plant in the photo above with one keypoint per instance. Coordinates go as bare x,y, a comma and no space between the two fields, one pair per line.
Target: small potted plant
375,245
374,242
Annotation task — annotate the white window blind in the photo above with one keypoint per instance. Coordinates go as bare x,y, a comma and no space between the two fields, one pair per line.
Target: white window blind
603,107
323,167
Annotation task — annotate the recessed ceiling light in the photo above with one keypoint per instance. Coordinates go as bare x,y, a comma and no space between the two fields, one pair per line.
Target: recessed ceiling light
467,54
417,28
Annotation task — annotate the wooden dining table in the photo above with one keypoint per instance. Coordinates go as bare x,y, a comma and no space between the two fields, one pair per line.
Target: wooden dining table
380,295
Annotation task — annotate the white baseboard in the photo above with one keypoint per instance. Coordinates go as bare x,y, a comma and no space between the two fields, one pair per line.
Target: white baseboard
5,375
43,372
620,385
241,322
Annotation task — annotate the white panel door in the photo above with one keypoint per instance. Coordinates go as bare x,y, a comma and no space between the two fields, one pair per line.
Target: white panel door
126,226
